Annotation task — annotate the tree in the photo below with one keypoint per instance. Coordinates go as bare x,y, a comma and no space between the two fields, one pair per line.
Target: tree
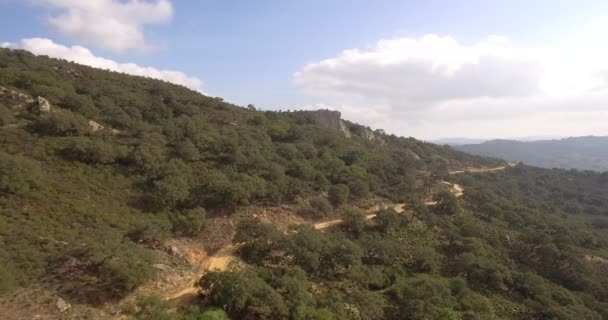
243,295
190,222
338,194
353,220
447,204
62,123
19,175
321,207
95,151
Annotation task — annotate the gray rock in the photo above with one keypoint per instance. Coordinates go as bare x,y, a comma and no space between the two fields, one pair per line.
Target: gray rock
62,305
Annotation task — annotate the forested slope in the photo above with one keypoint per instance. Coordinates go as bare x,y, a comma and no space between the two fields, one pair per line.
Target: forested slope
91,189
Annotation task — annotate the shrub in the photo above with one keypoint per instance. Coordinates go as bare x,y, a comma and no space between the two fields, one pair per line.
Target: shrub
321,207
243,295
19,175
189,223
6,115
338,194
353,220
95,151
62,123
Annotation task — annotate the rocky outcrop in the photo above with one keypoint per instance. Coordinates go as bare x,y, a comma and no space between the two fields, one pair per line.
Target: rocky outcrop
345,129
16,101
41,105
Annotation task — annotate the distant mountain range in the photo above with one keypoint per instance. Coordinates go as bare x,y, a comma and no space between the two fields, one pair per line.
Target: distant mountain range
584,153
464,141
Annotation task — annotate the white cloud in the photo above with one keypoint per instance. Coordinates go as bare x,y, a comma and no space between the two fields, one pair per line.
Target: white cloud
110,24
422,71
78,54
435,86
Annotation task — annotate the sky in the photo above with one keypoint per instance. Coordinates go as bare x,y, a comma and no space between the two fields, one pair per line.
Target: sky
427,69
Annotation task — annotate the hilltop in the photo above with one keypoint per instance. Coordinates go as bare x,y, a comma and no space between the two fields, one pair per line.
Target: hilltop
132,198
583,153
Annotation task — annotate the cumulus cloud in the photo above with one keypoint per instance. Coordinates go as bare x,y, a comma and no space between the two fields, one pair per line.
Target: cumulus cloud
435,86
110,24
421,71
82,55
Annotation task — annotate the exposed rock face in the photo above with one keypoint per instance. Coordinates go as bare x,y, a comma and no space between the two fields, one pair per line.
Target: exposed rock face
41,106
369,135
331,119
345,129
328,119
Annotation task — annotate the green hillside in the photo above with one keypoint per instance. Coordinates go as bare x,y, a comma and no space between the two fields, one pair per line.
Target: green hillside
93,189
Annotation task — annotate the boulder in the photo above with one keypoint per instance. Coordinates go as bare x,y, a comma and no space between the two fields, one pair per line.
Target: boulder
95,126
41,105
62,305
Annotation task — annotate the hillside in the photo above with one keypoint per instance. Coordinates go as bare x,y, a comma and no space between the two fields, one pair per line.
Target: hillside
583,153
118,193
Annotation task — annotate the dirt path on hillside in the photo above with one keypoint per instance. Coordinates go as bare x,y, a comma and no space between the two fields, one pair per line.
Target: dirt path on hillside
220,260
480,170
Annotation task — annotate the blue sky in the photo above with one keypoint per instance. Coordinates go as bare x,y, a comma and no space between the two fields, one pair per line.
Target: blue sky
289,54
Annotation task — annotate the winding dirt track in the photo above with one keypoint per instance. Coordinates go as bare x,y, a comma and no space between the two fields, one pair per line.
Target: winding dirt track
220,261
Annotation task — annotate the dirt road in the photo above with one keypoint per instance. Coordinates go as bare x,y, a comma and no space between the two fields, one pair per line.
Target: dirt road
478,170
220,260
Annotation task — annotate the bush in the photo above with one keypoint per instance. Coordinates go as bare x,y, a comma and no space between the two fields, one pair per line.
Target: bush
95,151
243,295
6,115
19,175
359,189
338,194
189,223
353,220
62,123
321,207
196,313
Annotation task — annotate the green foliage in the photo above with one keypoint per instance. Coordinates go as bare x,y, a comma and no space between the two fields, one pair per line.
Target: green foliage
19,175
6,115
190,222
196,313
353,220
524,243
243,295
447,204
62,123
95,151
320,206
152,308
338,194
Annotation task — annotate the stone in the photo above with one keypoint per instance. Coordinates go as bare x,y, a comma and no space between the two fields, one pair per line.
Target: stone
62,305
95,126
174,251
41,105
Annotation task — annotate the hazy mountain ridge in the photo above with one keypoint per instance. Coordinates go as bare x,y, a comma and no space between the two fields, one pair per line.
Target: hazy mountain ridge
583,153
